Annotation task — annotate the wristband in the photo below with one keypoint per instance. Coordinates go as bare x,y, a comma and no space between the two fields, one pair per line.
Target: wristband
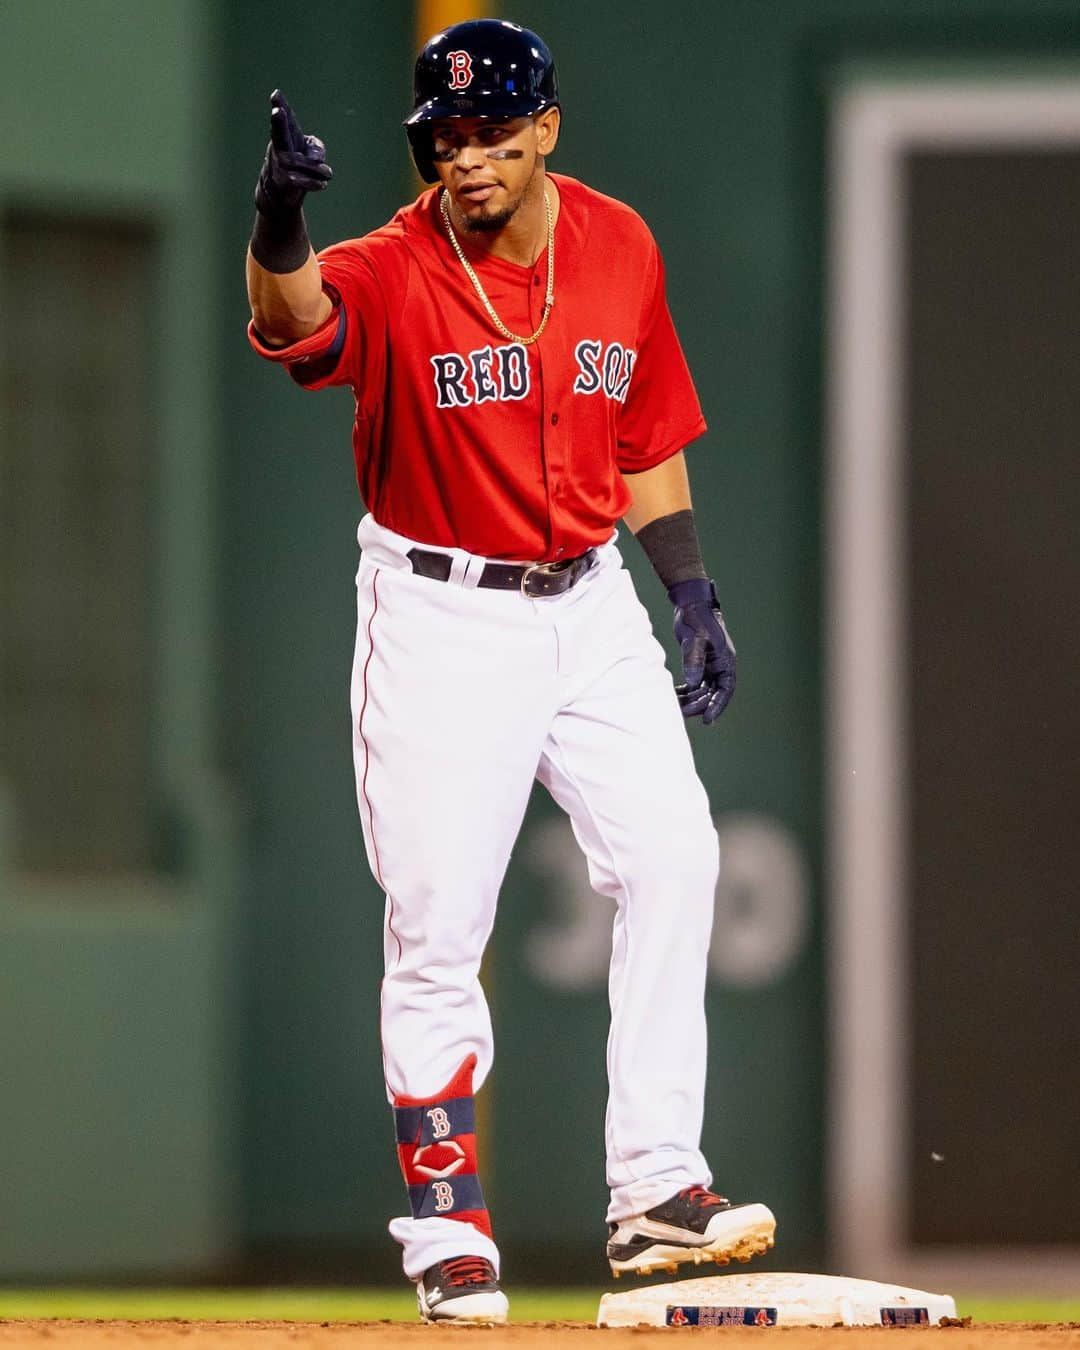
671,545
279,241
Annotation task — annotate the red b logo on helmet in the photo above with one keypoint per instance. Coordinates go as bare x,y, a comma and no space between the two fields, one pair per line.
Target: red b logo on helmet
460,69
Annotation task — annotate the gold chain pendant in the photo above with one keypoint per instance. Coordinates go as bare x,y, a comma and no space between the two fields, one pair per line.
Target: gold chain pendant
549,297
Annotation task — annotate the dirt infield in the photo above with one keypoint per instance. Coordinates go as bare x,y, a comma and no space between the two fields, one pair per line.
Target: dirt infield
97,1335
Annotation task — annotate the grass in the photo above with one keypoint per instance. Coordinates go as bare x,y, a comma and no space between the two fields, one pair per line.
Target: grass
1020,1309
287,1305
373,1305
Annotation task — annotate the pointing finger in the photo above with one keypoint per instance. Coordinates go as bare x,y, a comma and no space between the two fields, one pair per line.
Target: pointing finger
279,131
296,136
281,114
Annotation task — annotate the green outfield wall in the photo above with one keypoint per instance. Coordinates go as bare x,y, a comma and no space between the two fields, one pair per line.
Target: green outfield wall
318,1164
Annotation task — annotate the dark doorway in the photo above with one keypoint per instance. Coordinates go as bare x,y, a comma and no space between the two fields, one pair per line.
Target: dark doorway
993,424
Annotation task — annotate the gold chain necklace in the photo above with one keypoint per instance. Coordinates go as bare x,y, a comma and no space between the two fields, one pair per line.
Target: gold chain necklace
549,297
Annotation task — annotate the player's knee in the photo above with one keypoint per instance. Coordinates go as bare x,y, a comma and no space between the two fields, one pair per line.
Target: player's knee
704,868
684,860
696,841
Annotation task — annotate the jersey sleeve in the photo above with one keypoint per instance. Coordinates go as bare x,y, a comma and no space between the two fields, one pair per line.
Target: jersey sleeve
350,347
661,413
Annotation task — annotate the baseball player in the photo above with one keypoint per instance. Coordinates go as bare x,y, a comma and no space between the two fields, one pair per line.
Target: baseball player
519,390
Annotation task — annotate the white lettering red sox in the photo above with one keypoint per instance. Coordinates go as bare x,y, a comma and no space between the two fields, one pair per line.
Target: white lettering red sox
503,374
608,370
485,375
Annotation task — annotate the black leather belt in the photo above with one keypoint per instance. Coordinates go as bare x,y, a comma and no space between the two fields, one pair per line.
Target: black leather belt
531,579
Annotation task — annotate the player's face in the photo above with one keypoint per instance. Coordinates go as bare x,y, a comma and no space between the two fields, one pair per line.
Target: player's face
490,167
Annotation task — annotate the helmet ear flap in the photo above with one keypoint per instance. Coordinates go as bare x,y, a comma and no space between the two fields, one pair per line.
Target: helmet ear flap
422,144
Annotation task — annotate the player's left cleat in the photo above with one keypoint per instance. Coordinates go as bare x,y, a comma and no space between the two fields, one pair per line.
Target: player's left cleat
695,1225
464,1290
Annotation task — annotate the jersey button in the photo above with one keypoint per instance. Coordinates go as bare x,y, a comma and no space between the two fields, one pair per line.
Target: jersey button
536,281
554,419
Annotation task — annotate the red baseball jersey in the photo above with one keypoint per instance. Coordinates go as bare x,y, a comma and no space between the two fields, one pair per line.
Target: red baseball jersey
466,439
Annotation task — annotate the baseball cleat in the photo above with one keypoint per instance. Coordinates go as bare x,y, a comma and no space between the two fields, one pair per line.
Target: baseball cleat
695,1225
464,1290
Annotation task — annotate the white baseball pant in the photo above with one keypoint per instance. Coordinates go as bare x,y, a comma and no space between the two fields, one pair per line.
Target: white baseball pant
460,698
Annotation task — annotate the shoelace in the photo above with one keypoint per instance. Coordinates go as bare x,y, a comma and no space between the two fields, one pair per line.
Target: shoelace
466,1270
703,1196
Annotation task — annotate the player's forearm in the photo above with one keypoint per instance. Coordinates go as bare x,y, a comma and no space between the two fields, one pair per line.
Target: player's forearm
287,306
662,519
659,491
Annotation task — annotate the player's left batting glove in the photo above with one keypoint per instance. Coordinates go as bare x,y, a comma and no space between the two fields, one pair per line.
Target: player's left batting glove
708,654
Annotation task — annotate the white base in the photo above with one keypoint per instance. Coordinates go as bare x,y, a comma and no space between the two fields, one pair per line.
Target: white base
773,1299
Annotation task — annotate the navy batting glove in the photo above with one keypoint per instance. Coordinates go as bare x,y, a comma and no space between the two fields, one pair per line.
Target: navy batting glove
708,654
295,164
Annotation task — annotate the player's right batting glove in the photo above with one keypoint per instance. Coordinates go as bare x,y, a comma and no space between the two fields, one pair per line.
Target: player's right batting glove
708,653
295,164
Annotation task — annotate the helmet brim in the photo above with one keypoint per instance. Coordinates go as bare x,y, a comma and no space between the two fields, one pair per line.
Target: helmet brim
495,104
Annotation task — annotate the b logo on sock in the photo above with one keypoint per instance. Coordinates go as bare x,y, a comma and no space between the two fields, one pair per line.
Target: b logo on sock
440,1122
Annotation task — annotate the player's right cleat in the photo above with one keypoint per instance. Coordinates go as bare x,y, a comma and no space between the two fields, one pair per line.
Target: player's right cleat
695,1225
464,1290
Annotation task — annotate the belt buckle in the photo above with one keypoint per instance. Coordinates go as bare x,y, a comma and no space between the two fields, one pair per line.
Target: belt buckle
549,569
526,574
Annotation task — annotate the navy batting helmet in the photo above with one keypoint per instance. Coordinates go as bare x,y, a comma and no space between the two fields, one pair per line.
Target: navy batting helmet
481,68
